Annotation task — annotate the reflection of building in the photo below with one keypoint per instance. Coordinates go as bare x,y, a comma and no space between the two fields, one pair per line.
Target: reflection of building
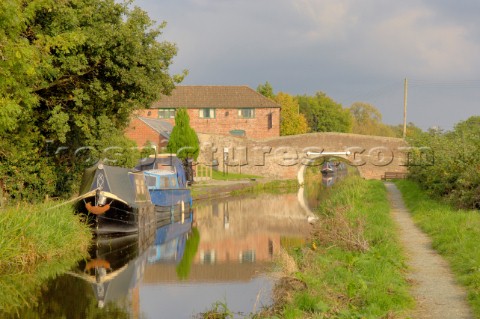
255,226
238,238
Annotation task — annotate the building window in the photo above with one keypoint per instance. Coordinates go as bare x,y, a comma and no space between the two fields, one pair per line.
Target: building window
207,113
247,256
166,113
270,120
207,257
246,113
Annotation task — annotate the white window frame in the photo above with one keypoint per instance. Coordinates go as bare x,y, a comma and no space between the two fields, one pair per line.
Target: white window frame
167,113
211,113
249,110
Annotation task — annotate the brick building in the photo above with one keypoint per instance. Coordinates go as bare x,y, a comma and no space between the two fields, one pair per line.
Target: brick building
227,110
144,130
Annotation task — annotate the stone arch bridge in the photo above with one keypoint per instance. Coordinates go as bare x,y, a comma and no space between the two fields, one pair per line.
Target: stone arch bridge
284,157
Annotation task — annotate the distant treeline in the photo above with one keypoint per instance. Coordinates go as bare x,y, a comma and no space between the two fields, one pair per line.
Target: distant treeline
320,113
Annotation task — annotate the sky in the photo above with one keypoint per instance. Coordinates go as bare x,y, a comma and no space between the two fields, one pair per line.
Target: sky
352,50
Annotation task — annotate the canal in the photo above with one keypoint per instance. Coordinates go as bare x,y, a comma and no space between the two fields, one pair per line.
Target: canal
221,254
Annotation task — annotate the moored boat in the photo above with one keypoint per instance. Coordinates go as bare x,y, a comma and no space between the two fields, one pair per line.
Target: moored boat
166,182
327,167
115,200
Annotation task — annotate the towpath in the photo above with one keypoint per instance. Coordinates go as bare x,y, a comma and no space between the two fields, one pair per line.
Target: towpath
437,294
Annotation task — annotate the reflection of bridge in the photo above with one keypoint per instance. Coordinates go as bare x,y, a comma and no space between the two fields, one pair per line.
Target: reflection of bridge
284,156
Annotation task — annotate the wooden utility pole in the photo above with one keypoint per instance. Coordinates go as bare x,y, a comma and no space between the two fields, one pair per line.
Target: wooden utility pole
405,93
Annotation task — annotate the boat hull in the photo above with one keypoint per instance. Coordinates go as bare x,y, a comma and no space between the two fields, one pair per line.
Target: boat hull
120,218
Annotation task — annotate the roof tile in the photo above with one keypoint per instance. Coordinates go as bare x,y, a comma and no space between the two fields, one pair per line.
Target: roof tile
211,96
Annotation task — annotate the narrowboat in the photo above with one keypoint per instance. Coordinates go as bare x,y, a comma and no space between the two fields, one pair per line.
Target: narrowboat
167,185
115,200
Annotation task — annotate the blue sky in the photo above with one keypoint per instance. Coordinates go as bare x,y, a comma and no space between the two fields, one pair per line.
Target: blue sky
353,50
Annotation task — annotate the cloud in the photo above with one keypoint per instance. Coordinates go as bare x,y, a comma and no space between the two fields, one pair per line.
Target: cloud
426,46
328,19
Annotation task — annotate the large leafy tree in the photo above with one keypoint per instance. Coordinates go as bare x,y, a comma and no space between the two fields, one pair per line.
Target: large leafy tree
71,73
367,120
291,122
323,114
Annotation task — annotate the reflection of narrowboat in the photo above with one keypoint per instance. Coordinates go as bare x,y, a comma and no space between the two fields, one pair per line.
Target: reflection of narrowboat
328,167
115,199
115,265
166,181
170,241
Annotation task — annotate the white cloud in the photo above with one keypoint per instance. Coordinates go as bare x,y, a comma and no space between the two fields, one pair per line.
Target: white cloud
328,19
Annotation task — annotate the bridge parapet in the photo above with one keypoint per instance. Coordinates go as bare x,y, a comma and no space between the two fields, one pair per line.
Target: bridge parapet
284,156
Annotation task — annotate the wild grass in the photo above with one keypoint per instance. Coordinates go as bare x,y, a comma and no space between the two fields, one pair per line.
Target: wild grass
455,235
271,187
218,175
37,242
353,266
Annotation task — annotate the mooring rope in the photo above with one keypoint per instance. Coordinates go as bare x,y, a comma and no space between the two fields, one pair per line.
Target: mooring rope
71,200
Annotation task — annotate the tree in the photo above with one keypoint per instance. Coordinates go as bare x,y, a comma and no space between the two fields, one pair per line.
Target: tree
454,175
367,120
183,139
323,114
292,122
266,90
68,71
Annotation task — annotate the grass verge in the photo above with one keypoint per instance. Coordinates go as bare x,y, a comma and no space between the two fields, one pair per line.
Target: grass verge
272,187
353,266
36,243
218,175
454,233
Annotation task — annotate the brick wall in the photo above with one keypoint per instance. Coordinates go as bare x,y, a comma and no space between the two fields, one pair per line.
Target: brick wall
142,133
227,119
282,157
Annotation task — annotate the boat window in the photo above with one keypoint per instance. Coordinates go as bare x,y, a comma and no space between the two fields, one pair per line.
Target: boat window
141,193
173,182
151,181
164,182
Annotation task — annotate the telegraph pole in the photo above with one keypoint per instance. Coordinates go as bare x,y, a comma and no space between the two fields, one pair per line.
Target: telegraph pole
405,94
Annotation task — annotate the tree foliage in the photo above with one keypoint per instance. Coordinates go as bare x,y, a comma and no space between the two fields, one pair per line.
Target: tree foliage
266,90
183,139
367,120
71,74
291,121
323,114
452,171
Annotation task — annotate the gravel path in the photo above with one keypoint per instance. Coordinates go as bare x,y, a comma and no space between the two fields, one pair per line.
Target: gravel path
437,294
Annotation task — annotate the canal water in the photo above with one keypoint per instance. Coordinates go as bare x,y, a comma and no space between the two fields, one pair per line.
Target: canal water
221,255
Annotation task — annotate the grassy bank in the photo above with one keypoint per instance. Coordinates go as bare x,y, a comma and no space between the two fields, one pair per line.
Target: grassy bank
37,242
353,266
455,235
218,175
272,187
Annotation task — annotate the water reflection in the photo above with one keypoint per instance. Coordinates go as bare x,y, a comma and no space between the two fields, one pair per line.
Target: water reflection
317,183
223,252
